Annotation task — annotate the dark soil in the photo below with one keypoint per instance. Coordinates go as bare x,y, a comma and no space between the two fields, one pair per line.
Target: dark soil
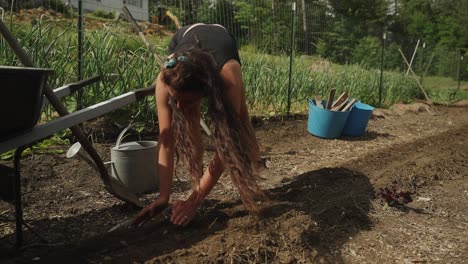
323,205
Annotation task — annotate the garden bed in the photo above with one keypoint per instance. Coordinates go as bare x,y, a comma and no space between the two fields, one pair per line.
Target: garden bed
323,205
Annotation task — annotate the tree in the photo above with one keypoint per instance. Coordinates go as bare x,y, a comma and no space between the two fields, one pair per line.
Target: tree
366,15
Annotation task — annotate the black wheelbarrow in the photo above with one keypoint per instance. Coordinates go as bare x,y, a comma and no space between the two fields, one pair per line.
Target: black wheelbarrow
22,96
21,102
21,136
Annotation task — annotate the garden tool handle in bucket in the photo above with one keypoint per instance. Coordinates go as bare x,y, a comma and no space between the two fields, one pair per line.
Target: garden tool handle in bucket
121,135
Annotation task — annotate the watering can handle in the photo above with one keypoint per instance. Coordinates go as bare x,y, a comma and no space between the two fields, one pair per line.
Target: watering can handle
119,139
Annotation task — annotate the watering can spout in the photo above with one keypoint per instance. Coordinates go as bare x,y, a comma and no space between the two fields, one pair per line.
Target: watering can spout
113,186
75,150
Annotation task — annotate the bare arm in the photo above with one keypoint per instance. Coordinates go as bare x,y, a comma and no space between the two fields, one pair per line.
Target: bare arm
165,155
165,141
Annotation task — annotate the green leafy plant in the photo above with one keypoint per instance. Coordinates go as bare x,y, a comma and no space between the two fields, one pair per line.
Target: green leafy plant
42,147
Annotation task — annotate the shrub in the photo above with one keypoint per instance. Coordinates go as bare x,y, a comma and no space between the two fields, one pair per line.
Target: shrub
367,52
103,14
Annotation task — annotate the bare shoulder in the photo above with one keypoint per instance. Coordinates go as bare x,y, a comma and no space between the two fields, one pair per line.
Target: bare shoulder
231,73
162,91
162,105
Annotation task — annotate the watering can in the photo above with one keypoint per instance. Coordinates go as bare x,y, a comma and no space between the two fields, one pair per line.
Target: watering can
134,164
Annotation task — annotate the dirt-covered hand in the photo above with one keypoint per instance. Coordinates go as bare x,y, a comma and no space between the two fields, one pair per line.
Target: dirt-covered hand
149,212
183,212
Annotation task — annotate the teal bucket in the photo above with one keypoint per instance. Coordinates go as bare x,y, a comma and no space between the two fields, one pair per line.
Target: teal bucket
325,123
358,119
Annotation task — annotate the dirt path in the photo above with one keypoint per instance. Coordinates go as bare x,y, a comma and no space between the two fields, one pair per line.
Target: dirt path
322,209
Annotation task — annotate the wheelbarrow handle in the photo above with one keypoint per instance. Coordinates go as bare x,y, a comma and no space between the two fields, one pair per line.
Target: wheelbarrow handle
143,92
68,89
79,84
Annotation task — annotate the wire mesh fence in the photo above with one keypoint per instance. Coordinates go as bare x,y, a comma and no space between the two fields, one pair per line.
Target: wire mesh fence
331,47
262,23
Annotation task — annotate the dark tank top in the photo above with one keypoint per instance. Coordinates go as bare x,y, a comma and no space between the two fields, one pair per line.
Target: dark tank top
214,39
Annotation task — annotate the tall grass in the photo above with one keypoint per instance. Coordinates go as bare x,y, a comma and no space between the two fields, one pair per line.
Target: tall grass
445,90
106,51
267,80
111,50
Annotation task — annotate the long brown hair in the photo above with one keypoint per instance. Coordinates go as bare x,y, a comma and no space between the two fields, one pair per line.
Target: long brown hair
235,141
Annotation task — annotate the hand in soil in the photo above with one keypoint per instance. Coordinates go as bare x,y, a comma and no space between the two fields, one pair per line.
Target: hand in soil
149,212
183,212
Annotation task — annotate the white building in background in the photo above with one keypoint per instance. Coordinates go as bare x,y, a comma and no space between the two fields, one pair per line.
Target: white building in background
138,8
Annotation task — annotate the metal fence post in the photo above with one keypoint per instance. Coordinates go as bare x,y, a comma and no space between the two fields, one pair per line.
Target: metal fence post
293,15
382,68
79,97
422,63
460,58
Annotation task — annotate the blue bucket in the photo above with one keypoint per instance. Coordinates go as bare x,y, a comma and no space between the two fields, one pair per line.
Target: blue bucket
358,120
325,123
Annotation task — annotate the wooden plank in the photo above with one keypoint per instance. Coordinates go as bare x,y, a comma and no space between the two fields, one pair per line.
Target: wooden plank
350,103
330,98
415,78
412,58
318,101
338,107
343,97
141,34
